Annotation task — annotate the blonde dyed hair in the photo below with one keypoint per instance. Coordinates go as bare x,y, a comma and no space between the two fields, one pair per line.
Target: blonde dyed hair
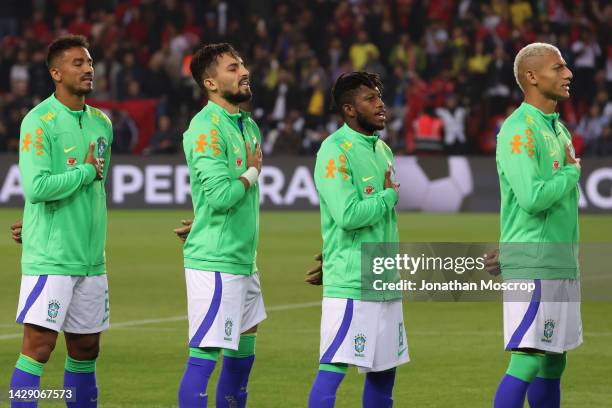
537,49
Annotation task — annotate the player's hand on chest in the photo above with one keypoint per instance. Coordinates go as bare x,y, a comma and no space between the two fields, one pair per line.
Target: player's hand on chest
237,144
368,170
71,143
552,153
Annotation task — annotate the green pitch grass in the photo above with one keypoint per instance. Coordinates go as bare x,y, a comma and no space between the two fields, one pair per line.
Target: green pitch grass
456,348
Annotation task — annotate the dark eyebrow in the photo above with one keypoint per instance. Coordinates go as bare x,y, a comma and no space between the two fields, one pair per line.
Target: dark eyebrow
232,65
76,60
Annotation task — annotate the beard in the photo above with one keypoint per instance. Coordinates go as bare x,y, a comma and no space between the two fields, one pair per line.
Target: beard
368,126
238,97
83,92
80,91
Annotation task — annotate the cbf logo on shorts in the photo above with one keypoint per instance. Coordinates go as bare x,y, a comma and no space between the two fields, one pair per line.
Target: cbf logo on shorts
549,328
229,325
53,311
360,345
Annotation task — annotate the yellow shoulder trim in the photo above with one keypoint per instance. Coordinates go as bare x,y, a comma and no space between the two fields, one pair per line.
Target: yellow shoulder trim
98,113
47,117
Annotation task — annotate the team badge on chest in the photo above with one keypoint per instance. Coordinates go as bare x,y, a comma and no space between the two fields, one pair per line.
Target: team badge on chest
556,165
101,147
368,190
71,161
238,162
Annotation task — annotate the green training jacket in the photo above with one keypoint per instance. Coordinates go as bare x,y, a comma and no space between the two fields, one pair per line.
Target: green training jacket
355,209
539,197
64,218
225,228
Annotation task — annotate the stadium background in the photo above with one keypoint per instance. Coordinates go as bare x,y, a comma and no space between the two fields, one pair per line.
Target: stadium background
447,71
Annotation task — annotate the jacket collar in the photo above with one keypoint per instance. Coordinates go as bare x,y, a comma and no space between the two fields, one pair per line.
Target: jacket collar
60,106
356,137
213,107
535,111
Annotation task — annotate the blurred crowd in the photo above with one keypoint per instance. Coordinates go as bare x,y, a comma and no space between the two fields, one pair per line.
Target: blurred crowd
446,65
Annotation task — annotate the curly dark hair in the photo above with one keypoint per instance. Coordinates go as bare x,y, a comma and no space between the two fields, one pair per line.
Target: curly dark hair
64,43
348,83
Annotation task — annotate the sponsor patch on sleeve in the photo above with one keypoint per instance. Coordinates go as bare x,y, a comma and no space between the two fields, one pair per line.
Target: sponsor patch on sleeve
200,144
26,142
39,142
519,144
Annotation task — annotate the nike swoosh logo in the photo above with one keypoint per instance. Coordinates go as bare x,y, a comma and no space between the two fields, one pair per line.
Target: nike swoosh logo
236,150
399,353
365,179
69,149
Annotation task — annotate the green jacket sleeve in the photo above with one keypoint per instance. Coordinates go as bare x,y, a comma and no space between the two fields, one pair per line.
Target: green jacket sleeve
339,194
35,165
519,157
209,158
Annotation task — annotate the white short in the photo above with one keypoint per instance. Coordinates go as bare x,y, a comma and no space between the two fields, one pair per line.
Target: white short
221,306
73,304
369,335
545,323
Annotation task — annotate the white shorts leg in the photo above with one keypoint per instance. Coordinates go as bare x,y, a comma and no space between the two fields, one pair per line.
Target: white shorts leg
554,326
369,335
391,343
221,306
253,311
89,311
44,300
74,304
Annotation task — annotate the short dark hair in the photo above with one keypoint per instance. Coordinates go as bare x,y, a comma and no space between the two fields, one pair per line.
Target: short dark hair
204,60
348,83
63,43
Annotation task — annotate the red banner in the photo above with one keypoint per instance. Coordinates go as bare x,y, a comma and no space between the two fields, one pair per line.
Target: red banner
141,111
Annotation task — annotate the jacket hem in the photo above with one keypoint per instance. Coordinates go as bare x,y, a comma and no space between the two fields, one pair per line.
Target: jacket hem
360,294
220,266
59,269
